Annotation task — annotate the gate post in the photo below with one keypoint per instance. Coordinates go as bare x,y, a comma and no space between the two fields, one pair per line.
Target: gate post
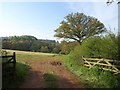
14,63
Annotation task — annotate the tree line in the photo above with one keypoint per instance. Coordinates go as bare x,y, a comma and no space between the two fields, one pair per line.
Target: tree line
30,43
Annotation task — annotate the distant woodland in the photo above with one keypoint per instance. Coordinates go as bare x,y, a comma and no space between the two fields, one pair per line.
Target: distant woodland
30,43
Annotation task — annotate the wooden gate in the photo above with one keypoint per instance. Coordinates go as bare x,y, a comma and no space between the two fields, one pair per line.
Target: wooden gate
11,59
104,64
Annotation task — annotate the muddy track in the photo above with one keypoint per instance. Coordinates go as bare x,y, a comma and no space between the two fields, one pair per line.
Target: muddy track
39,67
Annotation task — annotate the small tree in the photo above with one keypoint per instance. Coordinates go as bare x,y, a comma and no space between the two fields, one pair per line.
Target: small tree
67,47
44,49
79,27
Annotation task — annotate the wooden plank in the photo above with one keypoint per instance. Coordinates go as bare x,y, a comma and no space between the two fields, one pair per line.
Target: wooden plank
111,70
95,63
106,69
111,65
89,63
112,60
96,59
14,57
14,61
103,65
6,56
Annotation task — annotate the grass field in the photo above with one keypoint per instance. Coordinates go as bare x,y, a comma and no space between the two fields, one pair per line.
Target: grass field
23,59
25,56
29,53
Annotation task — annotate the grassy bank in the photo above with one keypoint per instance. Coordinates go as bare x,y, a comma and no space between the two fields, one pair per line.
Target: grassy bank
92,78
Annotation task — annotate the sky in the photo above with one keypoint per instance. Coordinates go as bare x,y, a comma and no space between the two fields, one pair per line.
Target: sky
40,19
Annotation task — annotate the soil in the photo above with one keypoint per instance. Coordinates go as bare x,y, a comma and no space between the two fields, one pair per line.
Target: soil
39,67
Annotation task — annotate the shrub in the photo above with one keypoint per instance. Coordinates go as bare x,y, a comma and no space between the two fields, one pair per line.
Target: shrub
3,52
97,47
94,77
67,47
109,47
107,79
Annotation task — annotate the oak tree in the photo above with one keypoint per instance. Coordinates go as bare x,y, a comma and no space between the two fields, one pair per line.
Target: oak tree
78,26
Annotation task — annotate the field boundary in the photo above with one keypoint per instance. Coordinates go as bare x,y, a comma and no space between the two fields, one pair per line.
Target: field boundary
102,63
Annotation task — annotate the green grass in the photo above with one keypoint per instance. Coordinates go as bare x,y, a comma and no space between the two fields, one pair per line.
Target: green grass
10,81
92,78
24,57
29,52
50,80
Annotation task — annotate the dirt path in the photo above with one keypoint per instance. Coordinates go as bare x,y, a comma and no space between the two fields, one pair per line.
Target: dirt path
39,67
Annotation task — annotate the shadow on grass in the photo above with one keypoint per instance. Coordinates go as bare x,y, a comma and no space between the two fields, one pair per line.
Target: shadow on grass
11,79
49,81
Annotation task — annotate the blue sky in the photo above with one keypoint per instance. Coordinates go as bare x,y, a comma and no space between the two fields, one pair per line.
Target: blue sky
40,19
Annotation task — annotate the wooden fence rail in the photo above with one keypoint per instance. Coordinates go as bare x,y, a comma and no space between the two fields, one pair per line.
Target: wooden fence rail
104,64
11,59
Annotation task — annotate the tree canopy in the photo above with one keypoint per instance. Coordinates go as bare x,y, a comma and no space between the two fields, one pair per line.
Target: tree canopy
78,26
29,43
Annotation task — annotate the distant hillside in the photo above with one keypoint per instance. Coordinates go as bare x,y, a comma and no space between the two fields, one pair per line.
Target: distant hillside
29,43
